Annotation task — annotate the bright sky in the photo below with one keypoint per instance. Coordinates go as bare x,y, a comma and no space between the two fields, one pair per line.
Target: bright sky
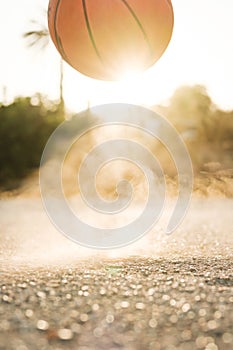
201,51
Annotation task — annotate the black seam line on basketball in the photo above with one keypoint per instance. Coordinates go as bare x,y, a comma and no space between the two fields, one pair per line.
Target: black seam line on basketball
138,23
90,31
58,39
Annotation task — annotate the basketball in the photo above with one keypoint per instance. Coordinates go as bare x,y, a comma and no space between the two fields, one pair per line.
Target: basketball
105,39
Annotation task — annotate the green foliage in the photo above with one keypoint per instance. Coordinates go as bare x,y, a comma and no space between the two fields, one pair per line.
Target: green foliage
207,130
25,127
27,123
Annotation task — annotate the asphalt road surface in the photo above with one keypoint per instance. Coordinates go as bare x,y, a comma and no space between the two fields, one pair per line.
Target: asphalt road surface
161,293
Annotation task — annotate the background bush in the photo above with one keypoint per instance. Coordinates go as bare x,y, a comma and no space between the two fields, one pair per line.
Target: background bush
25,126
27,123
206,130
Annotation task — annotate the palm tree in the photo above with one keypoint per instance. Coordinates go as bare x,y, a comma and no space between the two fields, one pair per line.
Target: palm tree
39,38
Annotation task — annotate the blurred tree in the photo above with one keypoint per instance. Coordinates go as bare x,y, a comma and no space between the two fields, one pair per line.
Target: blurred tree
191,108
207,130
39,37
25,126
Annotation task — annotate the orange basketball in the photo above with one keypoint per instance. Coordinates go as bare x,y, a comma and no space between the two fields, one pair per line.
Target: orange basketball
104,39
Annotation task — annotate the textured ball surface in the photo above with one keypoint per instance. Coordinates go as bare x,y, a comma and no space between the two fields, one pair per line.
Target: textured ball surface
104,39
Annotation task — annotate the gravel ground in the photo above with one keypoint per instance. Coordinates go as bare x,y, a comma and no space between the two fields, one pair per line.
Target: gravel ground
162,293
132,303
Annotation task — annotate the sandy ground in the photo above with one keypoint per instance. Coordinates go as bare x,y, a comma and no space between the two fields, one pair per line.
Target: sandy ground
160,293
